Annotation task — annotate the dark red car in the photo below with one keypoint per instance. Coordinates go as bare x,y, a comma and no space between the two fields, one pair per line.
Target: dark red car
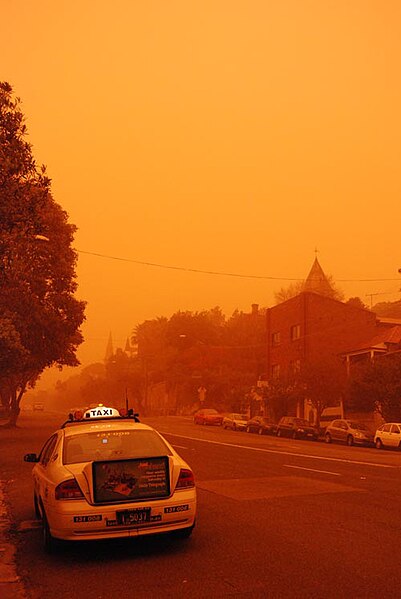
208,416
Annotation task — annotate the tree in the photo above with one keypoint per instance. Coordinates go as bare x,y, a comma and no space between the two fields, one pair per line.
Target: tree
376,386
40,318
388,309
322,383
286,293
278,397
203,348
356,302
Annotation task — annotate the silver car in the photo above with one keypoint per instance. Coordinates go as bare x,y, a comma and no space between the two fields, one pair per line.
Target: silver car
237,422
350,432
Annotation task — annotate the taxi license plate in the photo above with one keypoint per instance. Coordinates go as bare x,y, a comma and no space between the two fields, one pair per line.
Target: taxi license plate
135,516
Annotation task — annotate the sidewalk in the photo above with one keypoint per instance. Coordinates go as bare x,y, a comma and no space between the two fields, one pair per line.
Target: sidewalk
11,587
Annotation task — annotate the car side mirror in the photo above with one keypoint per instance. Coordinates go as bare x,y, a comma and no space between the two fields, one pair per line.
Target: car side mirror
31,457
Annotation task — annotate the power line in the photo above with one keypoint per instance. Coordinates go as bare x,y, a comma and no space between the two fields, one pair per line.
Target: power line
221,273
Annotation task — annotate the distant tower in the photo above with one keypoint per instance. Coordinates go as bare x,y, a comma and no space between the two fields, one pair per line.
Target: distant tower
317,281
109,349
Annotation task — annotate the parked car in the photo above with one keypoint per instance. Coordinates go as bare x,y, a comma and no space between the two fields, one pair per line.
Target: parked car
261,425
208,416
328,415
297,428
104,475
350,432
237,422
388,435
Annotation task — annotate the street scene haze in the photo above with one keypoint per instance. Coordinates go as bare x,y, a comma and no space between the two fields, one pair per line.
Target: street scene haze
200,298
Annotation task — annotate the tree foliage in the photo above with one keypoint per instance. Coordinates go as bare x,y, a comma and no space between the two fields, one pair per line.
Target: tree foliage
191,349
323,383
376,386
388,309
175,356
40,318
356,302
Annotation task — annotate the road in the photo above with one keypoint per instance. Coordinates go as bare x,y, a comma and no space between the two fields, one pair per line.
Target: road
277,518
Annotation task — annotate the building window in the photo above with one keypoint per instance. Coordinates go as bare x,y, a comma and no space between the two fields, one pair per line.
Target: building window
276,339
295,332
275,371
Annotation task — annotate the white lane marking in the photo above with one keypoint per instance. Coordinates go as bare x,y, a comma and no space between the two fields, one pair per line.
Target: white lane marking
311,470
300,455
179,446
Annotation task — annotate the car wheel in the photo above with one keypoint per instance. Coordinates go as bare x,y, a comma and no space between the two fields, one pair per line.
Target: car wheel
183,533
379,444
350,440
327,438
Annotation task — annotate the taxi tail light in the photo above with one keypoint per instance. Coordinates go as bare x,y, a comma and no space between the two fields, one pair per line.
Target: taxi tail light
69,489
186,479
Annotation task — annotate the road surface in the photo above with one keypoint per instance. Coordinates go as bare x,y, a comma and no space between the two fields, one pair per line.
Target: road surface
277,518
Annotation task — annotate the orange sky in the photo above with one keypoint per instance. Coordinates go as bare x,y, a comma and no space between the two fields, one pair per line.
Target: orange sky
230,136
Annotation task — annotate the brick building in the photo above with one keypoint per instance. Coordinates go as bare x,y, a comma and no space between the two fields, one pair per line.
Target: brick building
312,326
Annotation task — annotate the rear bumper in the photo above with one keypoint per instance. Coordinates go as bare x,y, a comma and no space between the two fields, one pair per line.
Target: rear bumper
177,513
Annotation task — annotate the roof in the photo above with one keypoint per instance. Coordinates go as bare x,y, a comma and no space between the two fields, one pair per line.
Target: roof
386,337
103,425
317,281
386,320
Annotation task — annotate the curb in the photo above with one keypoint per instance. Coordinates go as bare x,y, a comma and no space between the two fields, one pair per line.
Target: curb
11,586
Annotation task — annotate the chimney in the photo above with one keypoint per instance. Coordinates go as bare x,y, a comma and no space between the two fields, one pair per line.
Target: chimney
255,309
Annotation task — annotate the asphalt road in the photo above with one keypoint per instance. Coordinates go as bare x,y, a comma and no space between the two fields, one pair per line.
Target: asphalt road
277,518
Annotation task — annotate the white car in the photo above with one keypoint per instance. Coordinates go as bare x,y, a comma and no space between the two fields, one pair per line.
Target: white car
388,435
237,422
105,475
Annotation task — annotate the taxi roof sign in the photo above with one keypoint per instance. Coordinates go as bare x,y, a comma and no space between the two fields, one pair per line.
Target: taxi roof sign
101,412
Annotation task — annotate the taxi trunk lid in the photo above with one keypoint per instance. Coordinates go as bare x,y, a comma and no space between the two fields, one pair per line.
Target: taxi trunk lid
122,481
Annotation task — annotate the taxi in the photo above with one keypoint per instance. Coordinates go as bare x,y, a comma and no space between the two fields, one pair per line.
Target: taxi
105,475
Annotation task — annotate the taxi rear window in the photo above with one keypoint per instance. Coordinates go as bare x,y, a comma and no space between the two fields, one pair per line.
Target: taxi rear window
113,445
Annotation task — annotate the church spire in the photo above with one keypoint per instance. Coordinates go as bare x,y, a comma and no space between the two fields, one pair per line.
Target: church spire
109,349
317,281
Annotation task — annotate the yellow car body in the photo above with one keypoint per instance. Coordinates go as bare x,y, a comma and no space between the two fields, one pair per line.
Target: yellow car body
110,477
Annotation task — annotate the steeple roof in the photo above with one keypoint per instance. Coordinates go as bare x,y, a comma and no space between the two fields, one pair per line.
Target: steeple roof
109,349
317,281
